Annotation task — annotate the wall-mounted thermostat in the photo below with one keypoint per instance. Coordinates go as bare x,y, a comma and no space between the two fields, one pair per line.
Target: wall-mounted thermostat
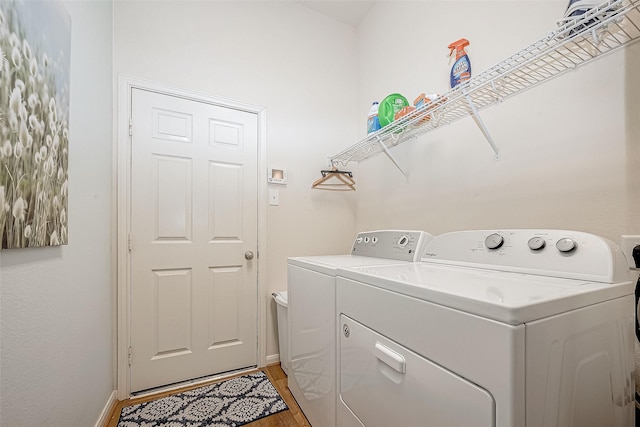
276,176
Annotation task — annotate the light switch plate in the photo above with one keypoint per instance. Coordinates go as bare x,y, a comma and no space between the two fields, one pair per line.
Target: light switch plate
274,198
627,243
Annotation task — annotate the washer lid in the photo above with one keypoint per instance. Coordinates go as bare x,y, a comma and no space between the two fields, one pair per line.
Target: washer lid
329,264
508,297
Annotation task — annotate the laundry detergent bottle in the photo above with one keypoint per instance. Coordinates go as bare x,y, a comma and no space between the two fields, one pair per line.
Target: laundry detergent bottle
373,122
461,70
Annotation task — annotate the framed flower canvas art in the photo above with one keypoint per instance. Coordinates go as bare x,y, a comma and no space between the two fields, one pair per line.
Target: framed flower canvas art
35,44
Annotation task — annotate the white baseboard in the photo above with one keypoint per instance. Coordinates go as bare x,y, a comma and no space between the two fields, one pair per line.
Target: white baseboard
106,411
273,358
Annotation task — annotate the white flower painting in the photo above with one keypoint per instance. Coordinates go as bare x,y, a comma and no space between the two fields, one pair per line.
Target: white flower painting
35,44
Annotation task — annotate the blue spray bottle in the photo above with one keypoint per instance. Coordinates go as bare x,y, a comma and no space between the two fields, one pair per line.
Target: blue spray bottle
461,70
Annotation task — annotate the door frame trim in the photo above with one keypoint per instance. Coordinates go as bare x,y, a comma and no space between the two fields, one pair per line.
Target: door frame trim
120,242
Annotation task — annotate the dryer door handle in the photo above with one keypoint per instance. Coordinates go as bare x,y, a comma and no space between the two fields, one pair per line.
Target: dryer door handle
390,357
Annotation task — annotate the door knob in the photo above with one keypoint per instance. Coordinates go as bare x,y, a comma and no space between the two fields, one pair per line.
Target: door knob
248,255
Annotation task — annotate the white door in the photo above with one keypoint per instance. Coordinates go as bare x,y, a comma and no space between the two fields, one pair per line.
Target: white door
193,231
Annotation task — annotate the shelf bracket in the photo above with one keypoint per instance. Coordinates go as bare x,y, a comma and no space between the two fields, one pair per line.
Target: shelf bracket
596,39
480,123
393,160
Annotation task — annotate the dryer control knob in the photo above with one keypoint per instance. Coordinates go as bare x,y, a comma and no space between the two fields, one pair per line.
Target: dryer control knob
536,243
404,241
494,241
566,245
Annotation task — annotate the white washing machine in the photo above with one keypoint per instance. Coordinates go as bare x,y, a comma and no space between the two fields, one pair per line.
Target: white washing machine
511,328
312,314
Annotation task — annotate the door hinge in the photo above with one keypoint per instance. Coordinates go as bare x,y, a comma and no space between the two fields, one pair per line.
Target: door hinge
129,243
130,127
130,355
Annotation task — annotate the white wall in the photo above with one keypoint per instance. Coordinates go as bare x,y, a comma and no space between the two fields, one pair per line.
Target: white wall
295,62
56,303
568,148
569,152
632,142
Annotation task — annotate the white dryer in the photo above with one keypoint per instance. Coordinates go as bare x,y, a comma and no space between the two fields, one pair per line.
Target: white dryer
312,314
513,328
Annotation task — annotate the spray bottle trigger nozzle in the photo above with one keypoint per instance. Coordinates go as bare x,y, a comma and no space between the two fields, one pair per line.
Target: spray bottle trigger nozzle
458,46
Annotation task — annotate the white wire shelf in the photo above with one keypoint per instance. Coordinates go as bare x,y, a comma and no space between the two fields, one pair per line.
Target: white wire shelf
575,42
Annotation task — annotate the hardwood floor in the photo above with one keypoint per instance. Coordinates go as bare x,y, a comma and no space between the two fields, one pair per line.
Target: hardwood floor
293,417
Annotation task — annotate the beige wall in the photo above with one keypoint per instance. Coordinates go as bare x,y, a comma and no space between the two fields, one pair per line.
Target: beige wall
568,148
298,64
56,306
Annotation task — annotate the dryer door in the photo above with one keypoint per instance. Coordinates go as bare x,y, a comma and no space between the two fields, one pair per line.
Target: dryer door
383,384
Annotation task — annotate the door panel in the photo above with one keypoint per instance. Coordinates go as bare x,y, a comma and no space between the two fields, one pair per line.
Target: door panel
171,125
223,298
172,314
171,187
193,216
225,200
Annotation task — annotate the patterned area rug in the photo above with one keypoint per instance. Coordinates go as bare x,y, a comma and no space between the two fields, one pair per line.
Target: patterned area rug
230,403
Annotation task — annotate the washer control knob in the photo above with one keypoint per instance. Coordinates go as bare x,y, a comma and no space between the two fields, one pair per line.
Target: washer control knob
404,241
536,243
366,240
374,240
566,245
359,240
494,241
